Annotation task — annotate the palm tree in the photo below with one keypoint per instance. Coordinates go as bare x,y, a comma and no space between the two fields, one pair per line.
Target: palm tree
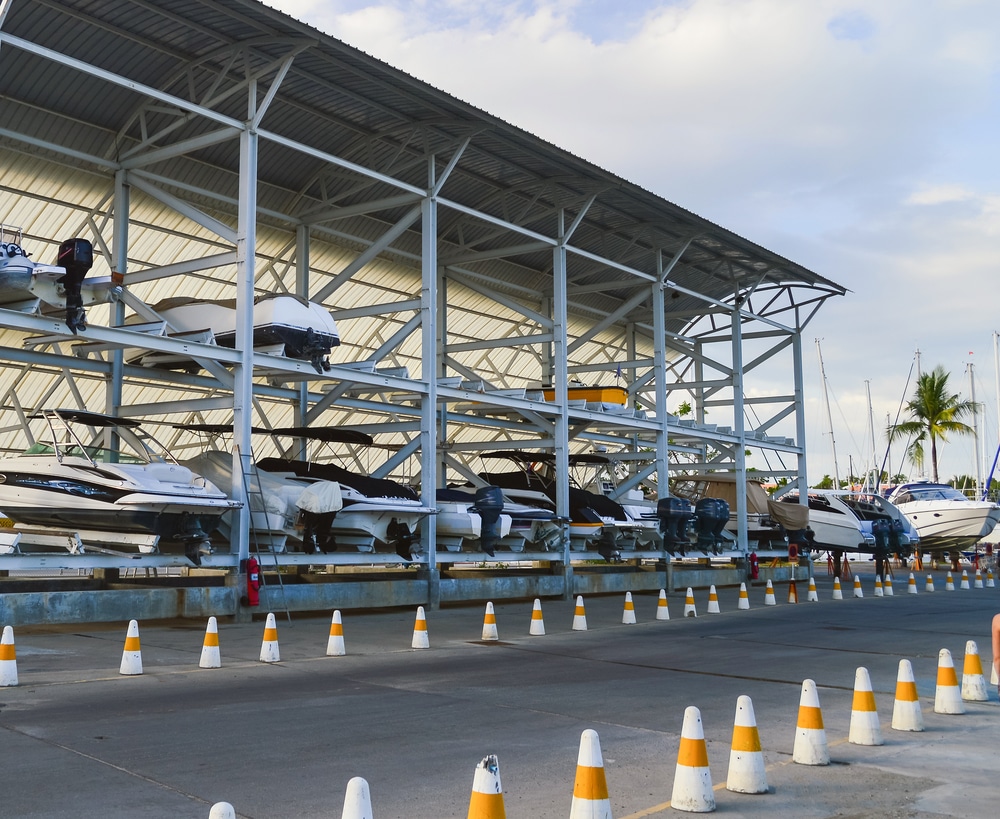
934,412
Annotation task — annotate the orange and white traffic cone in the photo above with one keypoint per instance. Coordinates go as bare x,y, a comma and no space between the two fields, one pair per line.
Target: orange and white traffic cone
812,596
744,602
793,593
537,628
8,658
858,591
887,586
838,593
964,584
662,610
269,652
746,759
590,789
579,615
420,637
906,714
978,582
335,646
810,746
689,607
210,656
947,696
628,615
132,655
989,579
357,800
949,582
973,681
490,624
487,793
692,779
865,729
769,595
713,601
879,592
911,585
929,586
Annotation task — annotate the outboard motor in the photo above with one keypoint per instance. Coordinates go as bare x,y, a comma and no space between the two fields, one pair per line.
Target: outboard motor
880,531
488,505
711,515
898,542
674,515
76,256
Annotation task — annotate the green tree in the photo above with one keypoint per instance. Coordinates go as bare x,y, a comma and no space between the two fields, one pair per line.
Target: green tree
934,413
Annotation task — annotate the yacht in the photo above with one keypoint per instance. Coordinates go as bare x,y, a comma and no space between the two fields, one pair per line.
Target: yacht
945,518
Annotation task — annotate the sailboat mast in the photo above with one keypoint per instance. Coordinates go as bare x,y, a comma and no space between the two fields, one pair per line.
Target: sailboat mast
876,474
829,417
975,428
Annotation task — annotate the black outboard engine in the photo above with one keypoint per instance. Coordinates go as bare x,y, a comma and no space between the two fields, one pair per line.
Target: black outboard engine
488,505
880,531
896,545
674,515
711,516
77,257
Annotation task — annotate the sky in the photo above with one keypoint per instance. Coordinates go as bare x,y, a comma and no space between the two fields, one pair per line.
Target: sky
857,139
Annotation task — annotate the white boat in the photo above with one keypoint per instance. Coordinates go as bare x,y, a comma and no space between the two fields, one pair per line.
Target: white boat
945,518
471,520
835,525
283,324
115,479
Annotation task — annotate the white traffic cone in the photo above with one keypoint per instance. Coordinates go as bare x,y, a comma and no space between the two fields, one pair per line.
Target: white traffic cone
490,624
269,652
335,646
810,746
662,610
132,655
689,608
487,792
590,789
222,810
746,760
878,587
911,585
906,714
887,586
8,658
769,595
858,591
989,579
812,596
973,681
865,729
978,582
628,615
420,638
947,696
357,800
579,615
210,656
838,593
537,628
965,580
744,601
949,582
929,586
713,601
692,779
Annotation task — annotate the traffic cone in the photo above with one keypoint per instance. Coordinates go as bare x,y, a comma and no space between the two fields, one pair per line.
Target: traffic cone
628,615
949,582
222,810
689,607
8,658
744,602
537,628
132,655
662,610
887,586
210,657
911,585
973,681
865,729
812,596
692,779
906,714
769,595
947,696
965,580
989,579
487,793
490,624
930,584
420,638
858,591
879,592
978,582
810,746
269,652
335,643
838,593
746,760
590,790
713,601
793,593
579,615
357,800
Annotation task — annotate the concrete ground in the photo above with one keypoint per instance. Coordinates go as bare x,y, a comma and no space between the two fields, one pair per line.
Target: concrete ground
282,740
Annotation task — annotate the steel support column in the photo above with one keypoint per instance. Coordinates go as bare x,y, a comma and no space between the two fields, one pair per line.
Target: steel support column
428,374
739,427
560,383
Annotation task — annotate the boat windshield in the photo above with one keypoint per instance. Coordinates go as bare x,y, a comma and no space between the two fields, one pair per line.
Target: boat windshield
94,453
931,492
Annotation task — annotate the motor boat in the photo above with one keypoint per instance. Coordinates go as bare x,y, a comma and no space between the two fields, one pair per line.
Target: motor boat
472,520
946,519
833,525
601,399
28,286
118,479
283,324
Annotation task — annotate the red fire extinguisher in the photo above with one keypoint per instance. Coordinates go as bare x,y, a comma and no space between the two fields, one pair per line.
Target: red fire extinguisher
252,597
